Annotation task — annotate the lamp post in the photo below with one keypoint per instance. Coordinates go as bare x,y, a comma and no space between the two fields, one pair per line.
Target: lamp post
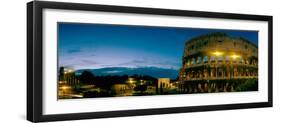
217,54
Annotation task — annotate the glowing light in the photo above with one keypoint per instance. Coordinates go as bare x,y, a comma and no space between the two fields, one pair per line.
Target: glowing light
131,80
65,87
218,53
68,70
235,56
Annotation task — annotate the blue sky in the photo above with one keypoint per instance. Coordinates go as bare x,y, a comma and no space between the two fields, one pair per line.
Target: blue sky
92,46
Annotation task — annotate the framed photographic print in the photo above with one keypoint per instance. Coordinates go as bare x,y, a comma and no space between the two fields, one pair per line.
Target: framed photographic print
95,61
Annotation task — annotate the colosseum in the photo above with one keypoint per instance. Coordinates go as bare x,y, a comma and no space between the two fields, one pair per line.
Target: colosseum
217,62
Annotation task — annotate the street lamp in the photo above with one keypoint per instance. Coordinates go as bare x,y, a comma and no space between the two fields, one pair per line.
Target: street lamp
235,56
217,53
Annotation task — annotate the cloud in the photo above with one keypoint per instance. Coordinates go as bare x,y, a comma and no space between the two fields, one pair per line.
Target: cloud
88,61
168,64
113,71
107,65
138,61
134,63
151,63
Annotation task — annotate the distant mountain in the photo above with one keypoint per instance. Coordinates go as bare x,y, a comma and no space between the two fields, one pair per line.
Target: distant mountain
150,71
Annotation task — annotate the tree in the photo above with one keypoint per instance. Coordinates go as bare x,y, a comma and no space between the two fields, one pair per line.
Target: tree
141,88
161,88
61,74
87,77
248,85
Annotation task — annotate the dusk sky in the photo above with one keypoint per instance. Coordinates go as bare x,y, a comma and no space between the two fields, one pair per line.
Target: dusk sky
91,46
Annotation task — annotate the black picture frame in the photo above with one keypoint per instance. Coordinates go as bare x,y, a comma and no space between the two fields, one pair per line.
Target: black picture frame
35,69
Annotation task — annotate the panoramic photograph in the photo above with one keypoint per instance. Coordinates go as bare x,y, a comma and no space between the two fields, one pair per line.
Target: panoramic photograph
108,60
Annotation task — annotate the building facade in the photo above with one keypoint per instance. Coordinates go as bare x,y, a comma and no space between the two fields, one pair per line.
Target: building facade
211,61
163,82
